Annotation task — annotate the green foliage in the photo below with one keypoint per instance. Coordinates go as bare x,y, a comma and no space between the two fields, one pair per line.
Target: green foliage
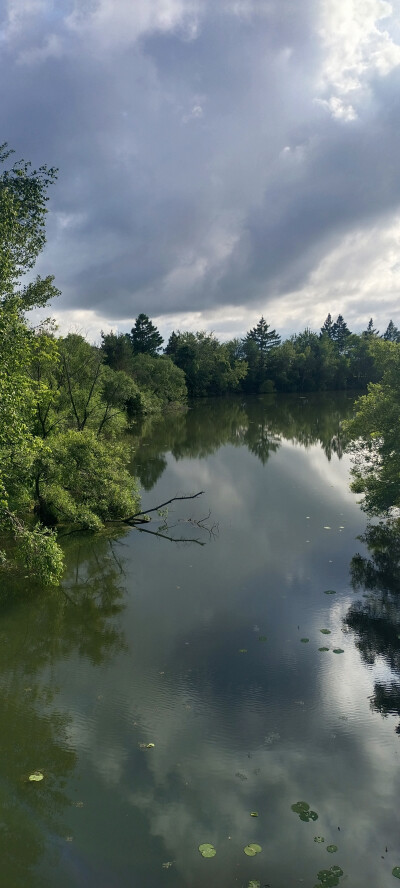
161,378
210,367
145,338
56,399
23,197
375,431
81,480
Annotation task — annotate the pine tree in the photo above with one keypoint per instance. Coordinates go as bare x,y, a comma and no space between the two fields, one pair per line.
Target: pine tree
327,327
371,330
392,333
264,338
340,332
145,338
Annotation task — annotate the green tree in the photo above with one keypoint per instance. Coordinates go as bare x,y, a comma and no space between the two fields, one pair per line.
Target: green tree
340,333
117,351
49,471
210,367
257,347
145,338
327,327
392,333
161,380
375,433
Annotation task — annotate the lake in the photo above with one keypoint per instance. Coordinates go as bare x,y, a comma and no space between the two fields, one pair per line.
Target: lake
171,691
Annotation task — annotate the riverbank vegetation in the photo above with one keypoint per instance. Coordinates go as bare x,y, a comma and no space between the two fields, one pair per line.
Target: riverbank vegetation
65,402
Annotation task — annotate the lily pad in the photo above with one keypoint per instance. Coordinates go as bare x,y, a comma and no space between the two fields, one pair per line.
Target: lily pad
338,651
36,777
207,850
325,631
396,872
304,640
329,592
331,848
252,849
323,649
299,807
308,815
319,839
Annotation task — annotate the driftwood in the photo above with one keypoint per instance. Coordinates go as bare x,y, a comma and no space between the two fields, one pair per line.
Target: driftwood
141,517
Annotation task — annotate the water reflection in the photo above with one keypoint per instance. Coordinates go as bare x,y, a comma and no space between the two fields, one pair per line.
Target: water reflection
375,619
258,423
39,630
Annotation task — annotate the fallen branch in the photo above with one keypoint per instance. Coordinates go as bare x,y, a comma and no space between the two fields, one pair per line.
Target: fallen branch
140,517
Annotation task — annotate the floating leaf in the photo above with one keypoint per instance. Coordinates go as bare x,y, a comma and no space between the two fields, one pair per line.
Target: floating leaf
254,814
36,777
304,640
319,839
207,850
329,592
396,872
252,849
325,631
338,651
323,649
299,807
242,650
308,815
331,848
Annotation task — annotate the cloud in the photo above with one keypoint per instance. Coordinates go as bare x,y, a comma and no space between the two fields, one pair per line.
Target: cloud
212,157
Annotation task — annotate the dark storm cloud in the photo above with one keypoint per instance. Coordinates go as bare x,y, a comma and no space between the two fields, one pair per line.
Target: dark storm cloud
196,168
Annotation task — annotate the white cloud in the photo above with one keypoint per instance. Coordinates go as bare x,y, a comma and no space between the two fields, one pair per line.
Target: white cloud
110,25
355,47
359,277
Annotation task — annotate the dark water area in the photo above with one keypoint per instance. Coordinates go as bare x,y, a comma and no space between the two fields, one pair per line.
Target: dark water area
170,690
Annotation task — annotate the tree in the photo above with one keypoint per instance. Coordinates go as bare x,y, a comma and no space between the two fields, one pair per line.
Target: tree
392,333
340,333
145,338
257,346
264,338
375,433
160,378
327,327
117,350
50,472
371,330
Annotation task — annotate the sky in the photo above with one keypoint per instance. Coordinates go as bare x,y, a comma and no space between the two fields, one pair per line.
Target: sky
218,160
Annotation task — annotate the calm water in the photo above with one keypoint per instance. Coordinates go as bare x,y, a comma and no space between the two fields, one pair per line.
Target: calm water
196,648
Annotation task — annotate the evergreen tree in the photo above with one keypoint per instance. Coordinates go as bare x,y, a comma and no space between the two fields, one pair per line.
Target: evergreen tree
264,338
327,327
392,333
257,345
145,338
371,330
340,333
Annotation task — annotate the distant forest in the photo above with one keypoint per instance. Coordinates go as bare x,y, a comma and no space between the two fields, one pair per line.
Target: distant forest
333,359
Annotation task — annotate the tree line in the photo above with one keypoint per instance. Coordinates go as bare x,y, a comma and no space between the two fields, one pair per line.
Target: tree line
332,359
65,402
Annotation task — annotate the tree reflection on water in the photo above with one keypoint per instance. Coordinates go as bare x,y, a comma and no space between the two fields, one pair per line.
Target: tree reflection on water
375,619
